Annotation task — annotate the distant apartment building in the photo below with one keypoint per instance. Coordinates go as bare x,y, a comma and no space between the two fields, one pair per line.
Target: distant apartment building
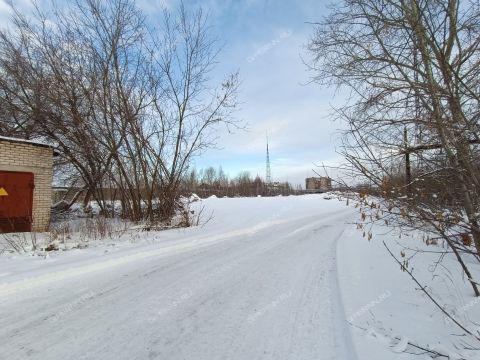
318,184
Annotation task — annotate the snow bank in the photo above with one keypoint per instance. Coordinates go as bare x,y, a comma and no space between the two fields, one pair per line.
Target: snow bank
24,141
387,313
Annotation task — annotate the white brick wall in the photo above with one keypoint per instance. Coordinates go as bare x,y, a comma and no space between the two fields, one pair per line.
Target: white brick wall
25,157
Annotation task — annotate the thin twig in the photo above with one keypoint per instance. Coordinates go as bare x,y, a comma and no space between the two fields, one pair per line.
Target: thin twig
428,294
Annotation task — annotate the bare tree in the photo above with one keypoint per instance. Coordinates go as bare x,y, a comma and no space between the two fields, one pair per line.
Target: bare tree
411,67
126,106
189,108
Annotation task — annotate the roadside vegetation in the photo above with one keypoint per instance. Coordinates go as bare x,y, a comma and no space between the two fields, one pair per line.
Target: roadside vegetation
412,144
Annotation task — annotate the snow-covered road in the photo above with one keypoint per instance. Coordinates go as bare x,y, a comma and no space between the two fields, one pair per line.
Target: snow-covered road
259,281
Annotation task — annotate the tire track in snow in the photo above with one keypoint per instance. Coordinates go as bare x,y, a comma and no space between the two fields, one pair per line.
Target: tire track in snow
343,332
294,255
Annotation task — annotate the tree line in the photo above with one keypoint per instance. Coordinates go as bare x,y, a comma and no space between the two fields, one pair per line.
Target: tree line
210,181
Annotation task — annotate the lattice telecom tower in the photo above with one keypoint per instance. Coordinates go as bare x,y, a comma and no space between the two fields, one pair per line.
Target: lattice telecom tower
269,170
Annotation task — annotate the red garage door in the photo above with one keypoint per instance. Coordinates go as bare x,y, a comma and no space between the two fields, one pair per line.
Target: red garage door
16,200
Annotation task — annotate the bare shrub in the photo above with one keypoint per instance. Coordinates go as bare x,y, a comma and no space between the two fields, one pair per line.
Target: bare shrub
96,228
18,242
412,119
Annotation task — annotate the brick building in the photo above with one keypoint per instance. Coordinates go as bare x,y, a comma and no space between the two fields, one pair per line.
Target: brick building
319,184
25,185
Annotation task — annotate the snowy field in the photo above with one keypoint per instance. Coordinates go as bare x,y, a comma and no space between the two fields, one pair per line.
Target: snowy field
265,278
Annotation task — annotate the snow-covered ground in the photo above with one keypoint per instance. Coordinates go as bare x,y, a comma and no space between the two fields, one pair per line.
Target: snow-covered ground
265,278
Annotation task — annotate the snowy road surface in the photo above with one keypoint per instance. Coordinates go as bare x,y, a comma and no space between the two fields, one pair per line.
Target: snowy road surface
259,281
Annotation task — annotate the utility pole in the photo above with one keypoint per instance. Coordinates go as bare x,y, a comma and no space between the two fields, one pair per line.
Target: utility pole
408,169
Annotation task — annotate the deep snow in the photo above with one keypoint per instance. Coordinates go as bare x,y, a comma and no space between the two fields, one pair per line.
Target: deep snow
265,278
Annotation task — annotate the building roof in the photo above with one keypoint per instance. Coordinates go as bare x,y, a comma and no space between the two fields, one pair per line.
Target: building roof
24,141
317,178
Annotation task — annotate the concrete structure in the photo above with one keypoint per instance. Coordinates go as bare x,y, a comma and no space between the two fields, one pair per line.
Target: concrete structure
22,156
319,184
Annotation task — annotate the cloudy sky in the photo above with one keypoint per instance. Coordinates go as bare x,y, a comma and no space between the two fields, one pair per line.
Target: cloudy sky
265,41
